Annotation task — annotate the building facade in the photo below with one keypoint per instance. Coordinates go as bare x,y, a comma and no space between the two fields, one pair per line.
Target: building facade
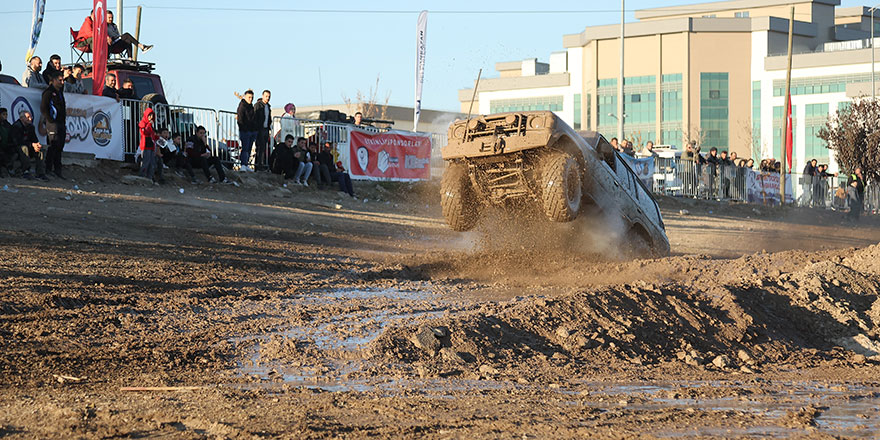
710,72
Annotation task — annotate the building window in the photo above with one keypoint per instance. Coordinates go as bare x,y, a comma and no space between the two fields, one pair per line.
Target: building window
714,109
821,84
671,109
779,128
552,103
744,14
816,117
589,112
577,111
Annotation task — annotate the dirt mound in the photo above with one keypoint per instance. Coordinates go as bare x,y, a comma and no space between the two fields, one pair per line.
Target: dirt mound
827,311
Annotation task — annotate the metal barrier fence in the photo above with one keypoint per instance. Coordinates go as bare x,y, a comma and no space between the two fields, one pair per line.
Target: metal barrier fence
687,178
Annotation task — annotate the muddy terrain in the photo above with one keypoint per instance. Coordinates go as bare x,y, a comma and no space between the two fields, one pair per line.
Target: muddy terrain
129,310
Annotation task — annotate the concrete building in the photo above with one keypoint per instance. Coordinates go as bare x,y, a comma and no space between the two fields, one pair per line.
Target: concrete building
711,72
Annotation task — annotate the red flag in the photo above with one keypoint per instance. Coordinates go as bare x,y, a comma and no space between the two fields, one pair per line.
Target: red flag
789,138
99,47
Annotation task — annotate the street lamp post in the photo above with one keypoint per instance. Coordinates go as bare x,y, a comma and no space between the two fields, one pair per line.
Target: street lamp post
620,77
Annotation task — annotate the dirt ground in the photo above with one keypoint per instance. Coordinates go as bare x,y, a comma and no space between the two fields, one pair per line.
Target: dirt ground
129,310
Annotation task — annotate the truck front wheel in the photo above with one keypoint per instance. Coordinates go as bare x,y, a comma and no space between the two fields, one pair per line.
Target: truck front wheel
458,199
561,187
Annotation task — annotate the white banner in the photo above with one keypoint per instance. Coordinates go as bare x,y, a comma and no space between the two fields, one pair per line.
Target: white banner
421,30
643,167
94,123
36,27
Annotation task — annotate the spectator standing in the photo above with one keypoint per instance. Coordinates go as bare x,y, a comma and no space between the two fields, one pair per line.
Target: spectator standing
247,128
110,87
24,138
855,193
32,76
282,160
713,163
122,43
7,155
822,187
289,124
200,156
807,183
147,144
627,148
726,172
648,151
263,120
6,79
73,83
54,66
54,111
615,144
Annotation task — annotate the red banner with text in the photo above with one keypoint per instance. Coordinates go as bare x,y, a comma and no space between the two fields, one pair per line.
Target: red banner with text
390,155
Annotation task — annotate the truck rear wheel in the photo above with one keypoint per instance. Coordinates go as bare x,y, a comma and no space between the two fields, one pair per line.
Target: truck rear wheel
561,187
457,198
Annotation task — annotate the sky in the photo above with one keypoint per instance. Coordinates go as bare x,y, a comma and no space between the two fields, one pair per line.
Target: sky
314,53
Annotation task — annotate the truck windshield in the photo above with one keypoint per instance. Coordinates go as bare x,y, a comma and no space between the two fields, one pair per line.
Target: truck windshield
142,86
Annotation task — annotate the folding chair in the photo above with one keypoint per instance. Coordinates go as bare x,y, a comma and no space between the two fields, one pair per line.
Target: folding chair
82,56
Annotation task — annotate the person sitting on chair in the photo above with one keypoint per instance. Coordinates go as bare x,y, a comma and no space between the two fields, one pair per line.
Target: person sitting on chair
121,43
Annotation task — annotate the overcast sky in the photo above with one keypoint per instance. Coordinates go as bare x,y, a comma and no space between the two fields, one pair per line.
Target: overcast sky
212,48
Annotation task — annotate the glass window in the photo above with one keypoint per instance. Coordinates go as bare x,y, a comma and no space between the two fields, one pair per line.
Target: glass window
714,109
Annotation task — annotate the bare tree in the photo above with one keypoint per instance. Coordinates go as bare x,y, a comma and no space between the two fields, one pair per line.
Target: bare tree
368,104
854,135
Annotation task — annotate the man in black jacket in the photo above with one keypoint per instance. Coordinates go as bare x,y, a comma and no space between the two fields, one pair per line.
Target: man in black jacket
110,87
263,126
282,160
855,193
200,156
24,138
247,130
54,110
53,66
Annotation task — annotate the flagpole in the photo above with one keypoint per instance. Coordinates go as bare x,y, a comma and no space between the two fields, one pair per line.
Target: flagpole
787,115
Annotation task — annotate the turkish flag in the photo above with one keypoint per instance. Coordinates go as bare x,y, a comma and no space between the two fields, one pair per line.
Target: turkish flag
99,47
789,138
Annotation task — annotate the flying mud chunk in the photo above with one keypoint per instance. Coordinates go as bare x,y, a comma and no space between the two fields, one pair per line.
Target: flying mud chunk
534,162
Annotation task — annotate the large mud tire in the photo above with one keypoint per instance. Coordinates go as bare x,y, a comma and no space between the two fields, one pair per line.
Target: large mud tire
561,187
458,198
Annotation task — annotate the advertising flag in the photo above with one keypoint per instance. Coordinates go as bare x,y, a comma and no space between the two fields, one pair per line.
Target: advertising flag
99,46
789,138
421,29
36,27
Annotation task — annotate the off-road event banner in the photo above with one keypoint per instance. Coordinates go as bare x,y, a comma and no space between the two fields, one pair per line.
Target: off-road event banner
94,123
764,188
390,155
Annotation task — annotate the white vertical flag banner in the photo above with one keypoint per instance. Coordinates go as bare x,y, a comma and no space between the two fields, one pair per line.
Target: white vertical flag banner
422,28
36,27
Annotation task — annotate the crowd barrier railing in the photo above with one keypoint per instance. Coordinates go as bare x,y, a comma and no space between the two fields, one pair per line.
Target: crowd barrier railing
686,178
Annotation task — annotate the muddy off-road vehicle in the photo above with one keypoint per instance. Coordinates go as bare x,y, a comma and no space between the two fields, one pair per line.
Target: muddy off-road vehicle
534,159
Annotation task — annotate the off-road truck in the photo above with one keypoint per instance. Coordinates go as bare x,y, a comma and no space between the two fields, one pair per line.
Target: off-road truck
534,159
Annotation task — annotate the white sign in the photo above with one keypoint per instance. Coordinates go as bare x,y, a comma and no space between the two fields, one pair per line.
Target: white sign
421,31
94,123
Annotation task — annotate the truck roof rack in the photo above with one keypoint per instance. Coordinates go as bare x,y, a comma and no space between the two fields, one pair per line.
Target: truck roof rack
122,64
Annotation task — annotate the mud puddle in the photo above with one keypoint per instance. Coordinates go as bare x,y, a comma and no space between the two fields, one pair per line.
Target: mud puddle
335,342
835,409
